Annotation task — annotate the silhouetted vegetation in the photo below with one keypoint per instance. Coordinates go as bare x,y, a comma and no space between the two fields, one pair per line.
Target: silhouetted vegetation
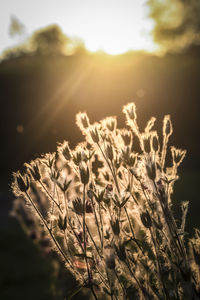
113,225
49,41
177,24
16,28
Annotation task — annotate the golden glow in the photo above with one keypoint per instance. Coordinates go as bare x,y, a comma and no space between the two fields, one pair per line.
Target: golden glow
113,26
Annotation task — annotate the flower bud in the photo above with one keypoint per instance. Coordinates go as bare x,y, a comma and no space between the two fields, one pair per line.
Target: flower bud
77,157
110,261
126,136
109,152
99,196
33,235
109,188
66,153
78,206
110,123
62,222
107,236
121,251
85,121
151,170
196,255
35,172
177,155
162,193
155,144
129,111
94,135
146,219
167,126
115,226
81,239
23,183
106,200
84,174
55,175
88,207
90,194
66,185
147,144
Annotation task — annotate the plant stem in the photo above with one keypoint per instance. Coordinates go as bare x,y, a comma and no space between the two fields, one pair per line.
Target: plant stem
137,281
52,211
171,227
95,245
85,248
159,266
131,227
123,290
115,177
164,150
102,232
66,208
96,220
48,229
76,292
58,206
112,171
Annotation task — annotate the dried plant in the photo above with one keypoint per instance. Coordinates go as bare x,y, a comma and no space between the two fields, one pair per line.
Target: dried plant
106,210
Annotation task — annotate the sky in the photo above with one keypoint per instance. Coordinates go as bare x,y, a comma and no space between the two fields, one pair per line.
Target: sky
114,26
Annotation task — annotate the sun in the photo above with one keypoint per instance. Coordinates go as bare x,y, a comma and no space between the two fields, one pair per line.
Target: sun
118,41
113,26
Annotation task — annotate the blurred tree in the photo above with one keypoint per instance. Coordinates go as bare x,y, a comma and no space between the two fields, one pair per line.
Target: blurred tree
16,28
14,52
78,46
49,40
177,23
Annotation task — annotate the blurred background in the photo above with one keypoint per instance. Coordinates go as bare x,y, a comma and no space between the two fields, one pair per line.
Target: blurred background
61,57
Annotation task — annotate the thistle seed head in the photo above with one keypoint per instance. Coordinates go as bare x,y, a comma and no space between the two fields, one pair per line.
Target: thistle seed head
23,182
35,171
94,134
167,126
